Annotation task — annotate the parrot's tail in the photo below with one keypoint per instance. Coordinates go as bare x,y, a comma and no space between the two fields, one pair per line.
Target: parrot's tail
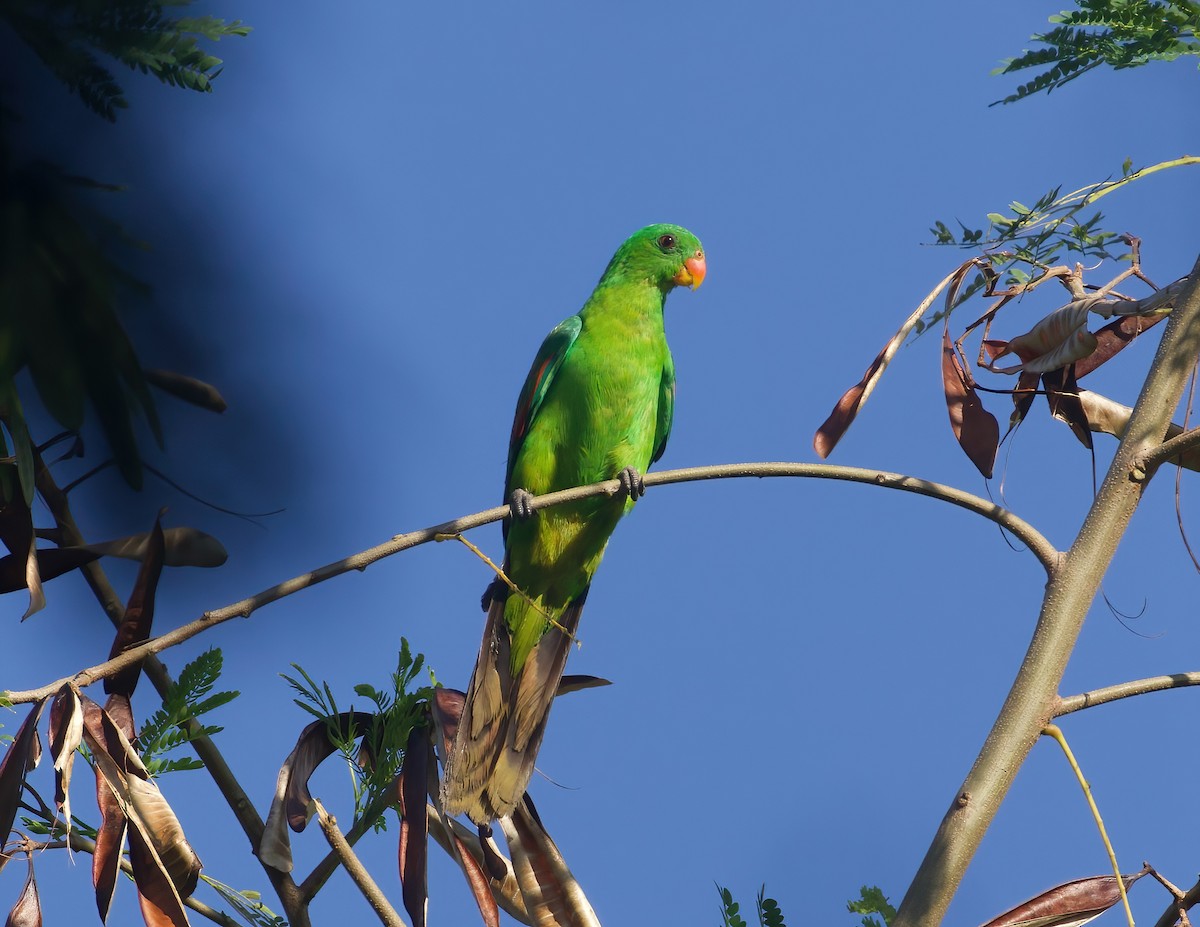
504,719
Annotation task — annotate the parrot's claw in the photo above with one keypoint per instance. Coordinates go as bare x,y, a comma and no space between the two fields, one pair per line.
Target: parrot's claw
632,483
519,504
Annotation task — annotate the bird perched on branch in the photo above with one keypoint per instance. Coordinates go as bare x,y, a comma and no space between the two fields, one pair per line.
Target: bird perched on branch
597,405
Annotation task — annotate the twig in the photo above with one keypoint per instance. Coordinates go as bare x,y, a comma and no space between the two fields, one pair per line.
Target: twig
1053,730
512,587
77,841
214,761
356,870
103,465
1071,703
1170,449
1018,527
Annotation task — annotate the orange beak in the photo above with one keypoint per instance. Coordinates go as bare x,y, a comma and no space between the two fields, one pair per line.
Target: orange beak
692,272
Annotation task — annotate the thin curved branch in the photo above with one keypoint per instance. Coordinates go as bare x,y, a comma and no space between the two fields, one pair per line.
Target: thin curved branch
1091,699
1018,527
1055,732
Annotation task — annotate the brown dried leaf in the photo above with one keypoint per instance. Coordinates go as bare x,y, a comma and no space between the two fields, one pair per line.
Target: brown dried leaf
1113,338
20,570
22,755
313,747
994,348
1069,904
159,900
51,563
1059,338
505,890
1062,393
165,868
65,735
119,710
290,806
847,408
110,836
976,429
189,389
162,829
414,825
182,546
1109,417
139,614
552,895
480,887
275,847
1079,345
27,911
1023,396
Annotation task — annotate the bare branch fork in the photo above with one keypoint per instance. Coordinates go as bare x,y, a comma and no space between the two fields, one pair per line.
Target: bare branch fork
1033,698
1022,530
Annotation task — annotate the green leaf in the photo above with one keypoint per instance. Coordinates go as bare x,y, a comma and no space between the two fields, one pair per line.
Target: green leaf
399,712
174,724
1117,33
872,901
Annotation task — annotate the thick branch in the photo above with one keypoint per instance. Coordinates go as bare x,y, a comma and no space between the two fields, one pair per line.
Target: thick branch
1033,698
362,878
1022,530
214,762
328,866
1071,703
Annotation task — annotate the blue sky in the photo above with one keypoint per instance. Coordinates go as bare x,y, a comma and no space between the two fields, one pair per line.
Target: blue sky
369,227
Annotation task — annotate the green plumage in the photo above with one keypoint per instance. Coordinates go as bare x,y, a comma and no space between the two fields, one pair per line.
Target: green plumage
598,401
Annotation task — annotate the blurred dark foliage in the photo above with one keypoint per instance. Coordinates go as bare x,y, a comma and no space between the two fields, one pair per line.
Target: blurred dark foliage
99,275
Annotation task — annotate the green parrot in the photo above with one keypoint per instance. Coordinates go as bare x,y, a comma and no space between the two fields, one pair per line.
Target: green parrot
597,405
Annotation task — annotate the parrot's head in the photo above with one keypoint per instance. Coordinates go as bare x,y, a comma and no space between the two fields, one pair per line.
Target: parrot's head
663,255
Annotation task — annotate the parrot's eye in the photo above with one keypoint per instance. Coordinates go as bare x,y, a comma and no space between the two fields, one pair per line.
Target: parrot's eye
666,242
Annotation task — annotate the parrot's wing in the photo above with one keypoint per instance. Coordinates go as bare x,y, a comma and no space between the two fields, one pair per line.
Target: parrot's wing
666,409
549,358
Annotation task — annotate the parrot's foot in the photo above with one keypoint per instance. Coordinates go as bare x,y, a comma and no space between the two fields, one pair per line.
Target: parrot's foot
496,591
632,483
519,504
